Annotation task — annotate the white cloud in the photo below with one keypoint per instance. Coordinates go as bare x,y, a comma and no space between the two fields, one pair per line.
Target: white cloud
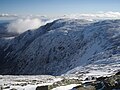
33,22
99,15
8,15
22,25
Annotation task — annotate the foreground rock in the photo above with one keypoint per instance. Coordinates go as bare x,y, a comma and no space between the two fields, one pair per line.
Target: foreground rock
42,88
102,83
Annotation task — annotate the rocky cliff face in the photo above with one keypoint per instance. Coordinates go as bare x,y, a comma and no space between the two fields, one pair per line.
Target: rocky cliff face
63,46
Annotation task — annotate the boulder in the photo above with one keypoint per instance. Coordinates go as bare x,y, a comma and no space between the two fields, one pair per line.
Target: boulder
42,88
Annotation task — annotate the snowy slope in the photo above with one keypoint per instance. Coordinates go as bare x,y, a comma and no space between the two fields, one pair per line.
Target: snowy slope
68,46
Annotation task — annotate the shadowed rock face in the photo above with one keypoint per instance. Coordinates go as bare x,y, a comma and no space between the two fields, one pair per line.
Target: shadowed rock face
61,46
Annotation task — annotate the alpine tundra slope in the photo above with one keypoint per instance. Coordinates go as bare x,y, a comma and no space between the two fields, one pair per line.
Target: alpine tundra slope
62,47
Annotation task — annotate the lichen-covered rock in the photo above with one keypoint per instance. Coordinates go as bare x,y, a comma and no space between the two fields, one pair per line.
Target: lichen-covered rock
84,88
65,82
105,83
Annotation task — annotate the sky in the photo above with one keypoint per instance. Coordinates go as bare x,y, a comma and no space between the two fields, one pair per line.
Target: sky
57,7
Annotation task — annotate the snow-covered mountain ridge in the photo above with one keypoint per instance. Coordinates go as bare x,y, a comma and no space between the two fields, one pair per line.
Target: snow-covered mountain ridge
65,46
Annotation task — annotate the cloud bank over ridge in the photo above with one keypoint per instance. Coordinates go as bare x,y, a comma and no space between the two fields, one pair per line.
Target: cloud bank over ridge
99,15
22,25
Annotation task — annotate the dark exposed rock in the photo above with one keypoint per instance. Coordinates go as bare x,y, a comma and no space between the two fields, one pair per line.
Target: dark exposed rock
118,73
84,88
13,89
42,88
1,88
